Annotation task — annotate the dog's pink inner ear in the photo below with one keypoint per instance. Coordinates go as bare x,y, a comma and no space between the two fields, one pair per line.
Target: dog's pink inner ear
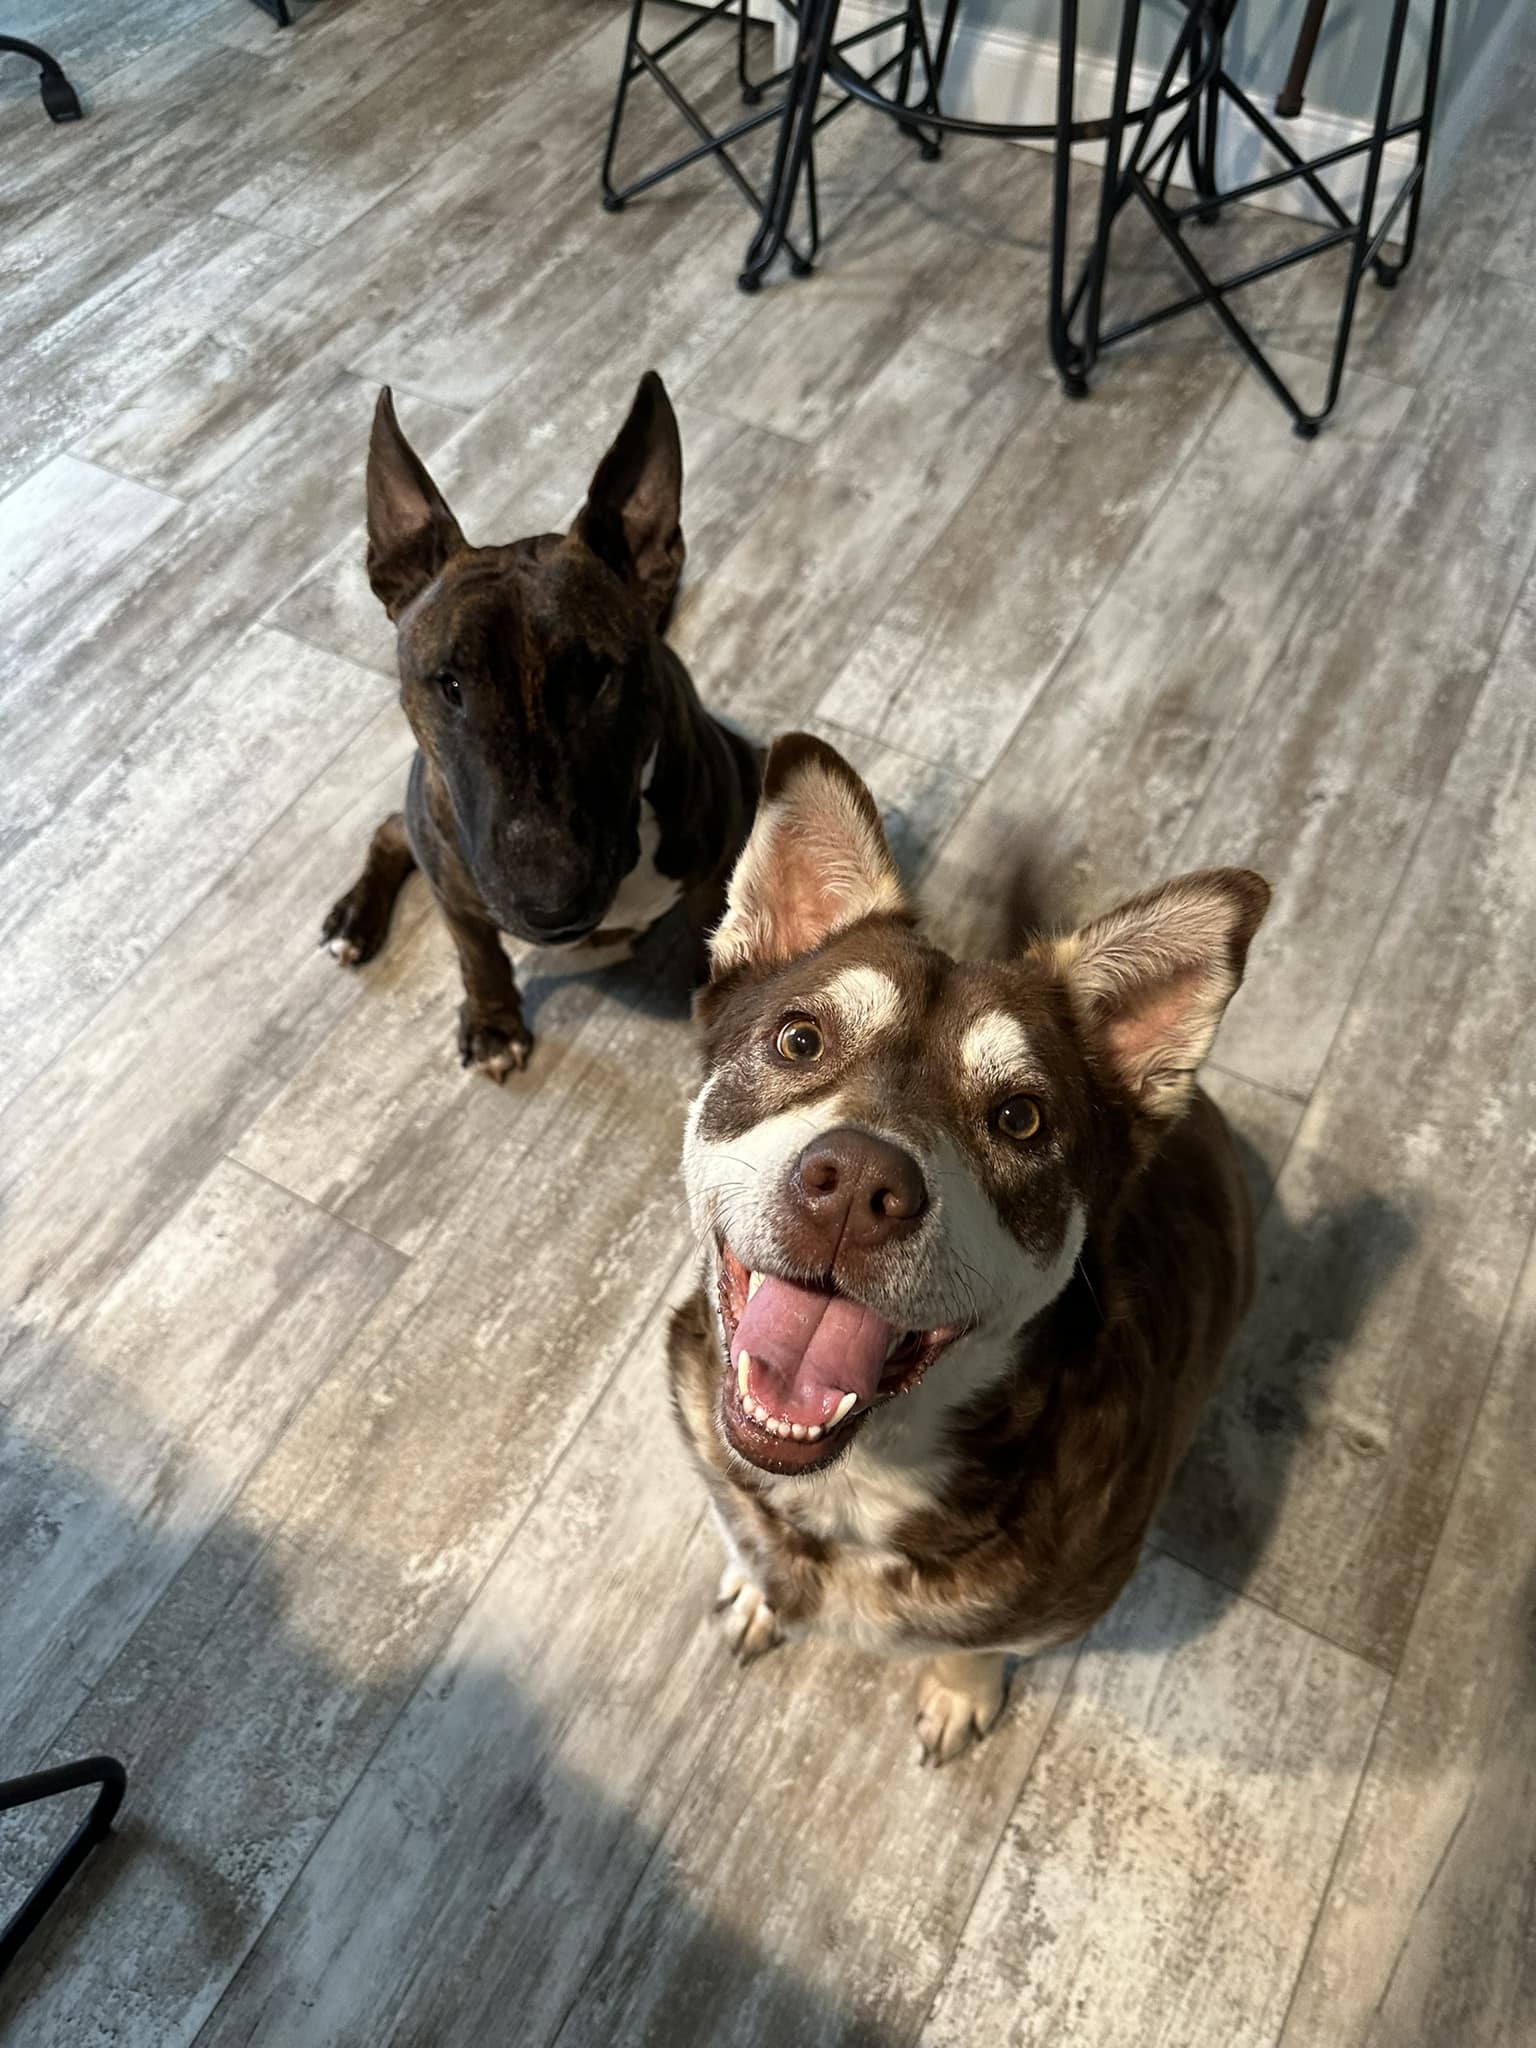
1152,1034
815,862
812,892
1152,980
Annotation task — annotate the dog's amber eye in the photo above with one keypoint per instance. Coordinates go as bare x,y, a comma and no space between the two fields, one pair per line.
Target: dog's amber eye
800,1039
449,685
1019,1117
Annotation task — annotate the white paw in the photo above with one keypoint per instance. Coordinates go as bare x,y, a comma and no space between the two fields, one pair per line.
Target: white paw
958,1700
751,1626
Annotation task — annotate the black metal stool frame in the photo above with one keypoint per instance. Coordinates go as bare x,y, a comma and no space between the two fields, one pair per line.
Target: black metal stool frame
796,111
60,100
1148,172
108,1775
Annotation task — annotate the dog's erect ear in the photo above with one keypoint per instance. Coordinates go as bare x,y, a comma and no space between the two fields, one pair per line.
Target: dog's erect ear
815,861
1151,980
411,532
630,519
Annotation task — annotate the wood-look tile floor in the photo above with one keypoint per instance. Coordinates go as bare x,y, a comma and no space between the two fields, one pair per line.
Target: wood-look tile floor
338,1493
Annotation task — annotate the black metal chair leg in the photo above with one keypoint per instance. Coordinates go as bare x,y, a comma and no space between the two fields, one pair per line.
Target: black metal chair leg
613,201
60,100
103,1771
1387,274
796,140
1110,190
1366,244
1065,353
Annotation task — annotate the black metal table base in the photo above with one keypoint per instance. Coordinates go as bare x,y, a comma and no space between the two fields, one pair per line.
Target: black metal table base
60,100
1179,124
108,1775
821,59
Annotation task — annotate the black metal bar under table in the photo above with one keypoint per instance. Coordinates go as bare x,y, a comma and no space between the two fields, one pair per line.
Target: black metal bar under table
60,100
111,1780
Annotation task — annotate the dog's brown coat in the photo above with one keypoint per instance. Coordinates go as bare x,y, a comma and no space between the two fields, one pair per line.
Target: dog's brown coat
1052,1477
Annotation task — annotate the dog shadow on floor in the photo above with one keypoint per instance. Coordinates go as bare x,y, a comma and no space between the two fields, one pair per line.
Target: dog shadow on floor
1318,1273
439,1845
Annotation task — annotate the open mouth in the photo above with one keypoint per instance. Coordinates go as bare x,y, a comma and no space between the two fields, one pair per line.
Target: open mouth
806,1366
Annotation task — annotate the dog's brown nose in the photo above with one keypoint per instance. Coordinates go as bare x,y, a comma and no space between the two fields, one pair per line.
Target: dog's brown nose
858,1190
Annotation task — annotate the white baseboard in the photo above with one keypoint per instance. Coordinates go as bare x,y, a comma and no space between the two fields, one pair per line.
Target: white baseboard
1001,74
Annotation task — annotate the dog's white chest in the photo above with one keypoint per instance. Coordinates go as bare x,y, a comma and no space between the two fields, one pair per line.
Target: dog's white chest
861,1503
894,1471
900,1462
645,894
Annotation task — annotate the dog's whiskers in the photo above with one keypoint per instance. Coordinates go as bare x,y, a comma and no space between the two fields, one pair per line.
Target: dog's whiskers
1088,1283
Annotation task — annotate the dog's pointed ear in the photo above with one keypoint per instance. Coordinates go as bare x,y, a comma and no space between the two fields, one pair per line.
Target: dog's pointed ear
411,532
634,505
815,861
1151,980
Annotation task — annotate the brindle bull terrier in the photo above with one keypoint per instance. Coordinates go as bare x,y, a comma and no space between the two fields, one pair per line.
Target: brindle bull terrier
568,786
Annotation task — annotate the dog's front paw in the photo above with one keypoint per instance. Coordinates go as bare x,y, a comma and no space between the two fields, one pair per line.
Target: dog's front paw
356,924
751,1626
959,1697
495,1046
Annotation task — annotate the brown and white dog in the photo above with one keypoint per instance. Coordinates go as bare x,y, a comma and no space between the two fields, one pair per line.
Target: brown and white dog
974,1242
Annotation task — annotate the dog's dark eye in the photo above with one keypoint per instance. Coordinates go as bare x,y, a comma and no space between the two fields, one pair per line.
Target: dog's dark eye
800,1039
608,696
1019,1117
449,685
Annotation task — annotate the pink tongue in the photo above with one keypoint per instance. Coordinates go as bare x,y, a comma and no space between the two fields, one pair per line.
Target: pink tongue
809,1349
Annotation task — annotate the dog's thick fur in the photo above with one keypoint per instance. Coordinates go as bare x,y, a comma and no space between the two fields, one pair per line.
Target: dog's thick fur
569,786
1078,1283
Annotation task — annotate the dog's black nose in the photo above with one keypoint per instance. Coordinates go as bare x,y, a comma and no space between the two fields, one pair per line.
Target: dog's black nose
858,1190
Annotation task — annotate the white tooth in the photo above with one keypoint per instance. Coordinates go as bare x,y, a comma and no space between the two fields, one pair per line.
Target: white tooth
849,1401
753,1285
813,1432
797,1431
758,1410
743,1367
